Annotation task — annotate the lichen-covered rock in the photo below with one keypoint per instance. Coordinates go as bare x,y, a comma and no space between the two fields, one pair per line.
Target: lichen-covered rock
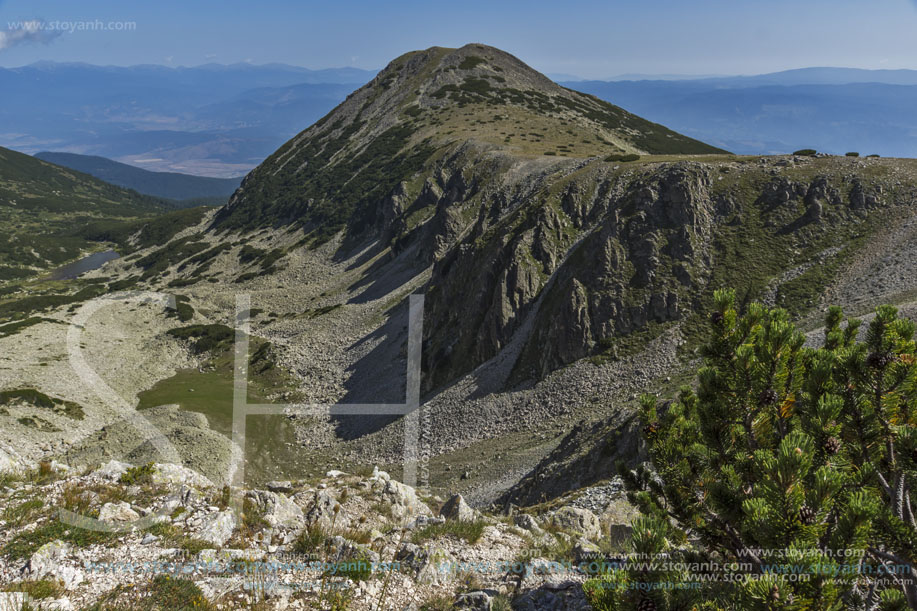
320,508
284,486
529,523
402,499
118,512
178,475
112,470
49,562
586,552
578,520
477,600
277,509
217,528
457,509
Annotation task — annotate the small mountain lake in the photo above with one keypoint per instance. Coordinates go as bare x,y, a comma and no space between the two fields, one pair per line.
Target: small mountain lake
86,264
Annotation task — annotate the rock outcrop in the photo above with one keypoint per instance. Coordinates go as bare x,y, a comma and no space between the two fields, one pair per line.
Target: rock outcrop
382,545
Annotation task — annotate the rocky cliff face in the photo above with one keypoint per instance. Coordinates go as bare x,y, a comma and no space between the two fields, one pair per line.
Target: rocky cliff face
467,162
587,455
570,261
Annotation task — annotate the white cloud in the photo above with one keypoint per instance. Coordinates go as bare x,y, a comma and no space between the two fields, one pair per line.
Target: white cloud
24,32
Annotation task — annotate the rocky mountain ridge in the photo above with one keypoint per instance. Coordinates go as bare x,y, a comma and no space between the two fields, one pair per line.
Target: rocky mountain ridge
423,106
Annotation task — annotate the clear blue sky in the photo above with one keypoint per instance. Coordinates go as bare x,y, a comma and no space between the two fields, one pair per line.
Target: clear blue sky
587,38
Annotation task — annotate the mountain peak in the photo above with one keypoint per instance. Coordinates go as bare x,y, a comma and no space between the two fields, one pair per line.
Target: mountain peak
487,95
441,66
420,104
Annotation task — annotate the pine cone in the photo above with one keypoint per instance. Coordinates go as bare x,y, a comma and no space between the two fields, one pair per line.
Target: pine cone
651,429
807,515
832,445
768,397
775,593
646,605
879,360
717,318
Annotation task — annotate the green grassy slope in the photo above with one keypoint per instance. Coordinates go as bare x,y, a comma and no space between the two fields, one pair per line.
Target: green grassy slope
45,208
169,185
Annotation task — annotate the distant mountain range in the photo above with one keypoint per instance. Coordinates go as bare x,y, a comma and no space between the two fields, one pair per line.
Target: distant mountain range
835,110
170,185
209,120
799,76
222,121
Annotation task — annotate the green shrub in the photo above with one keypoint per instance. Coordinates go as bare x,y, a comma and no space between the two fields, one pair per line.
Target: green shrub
161,593
622,158
39,399
194,546
852,154
15,327
358,535
805,152
471,532
782,448
38,423
161,259
327,194
39,589
205,259
246,277
205,338
123,285
183,310
310,540
154,232
142,474
253,516
182,282
439,602
471,62
26,306
24,544
168,593
23,513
